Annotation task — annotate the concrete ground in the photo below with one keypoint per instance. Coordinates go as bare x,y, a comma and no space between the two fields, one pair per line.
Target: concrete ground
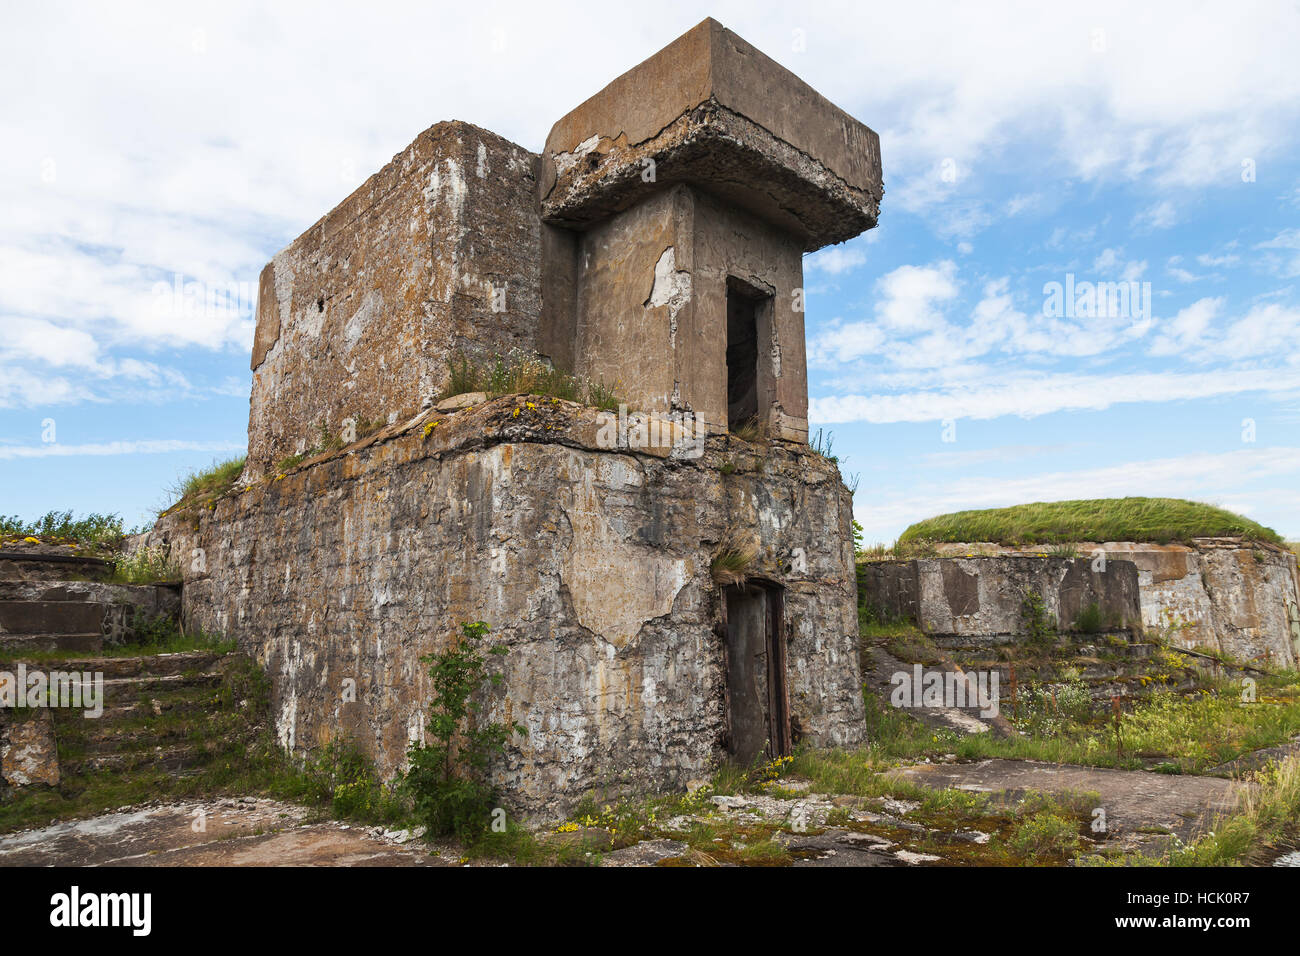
1142,811
248,831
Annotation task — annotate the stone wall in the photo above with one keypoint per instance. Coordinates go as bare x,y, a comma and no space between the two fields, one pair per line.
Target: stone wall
980,597
592,566
1227,595
438,253
1233,596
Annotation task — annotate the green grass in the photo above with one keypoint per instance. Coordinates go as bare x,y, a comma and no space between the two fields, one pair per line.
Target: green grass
1161,520
522,374
1265,818
205,485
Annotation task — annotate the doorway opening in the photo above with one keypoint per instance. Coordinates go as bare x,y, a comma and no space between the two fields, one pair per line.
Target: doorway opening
757,698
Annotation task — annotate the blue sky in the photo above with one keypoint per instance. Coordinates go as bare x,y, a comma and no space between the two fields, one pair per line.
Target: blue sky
1021,145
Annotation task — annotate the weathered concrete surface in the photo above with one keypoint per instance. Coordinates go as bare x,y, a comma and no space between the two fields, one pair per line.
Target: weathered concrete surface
1236,597
1137,803
1230,595
980,597
592,566
709,109
42,615
653,281
224,832
29,753
436,254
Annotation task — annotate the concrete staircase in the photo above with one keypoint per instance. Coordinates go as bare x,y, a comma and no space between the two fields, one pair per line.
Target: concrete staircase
169,712
172,714
61,602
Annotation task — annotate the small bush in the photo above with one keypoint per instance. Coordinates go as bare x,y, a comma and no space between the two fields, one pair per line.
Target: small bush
1038,624
750,430
1046,834
92,530
1090,619
447,778
731,566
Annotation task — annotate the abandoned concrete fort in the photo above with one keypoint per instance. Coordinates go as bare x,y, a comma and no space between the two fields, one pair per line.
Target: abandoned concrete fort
654,247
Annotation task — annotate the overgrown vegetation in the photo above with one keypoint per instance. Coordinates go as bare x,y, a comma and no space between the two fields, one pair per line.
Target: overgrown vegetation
1267,816
228,727
750,430
520,373
447,776
822,444
145,566
1038,624
1161,520
98,532
204,486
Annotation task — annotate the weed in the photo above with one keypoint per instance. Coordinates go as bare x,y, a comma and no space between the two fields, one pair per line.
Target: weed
446,778
731,566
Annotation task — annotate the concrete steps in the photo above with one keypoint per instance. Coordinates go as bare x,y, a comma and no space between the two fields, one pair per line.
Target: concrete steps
169,713
60,603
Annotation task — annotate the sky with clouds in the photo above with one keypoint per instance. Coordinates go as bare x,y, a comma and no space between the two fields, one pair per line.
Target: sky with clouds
1033,155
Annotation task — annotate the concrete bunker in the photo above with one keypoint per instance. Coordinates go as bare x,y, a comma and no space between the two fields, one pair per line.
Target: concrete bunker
654,245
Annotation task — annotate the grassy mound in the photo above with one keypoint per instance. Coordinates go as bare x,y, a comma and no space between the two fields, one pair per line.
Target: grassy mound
1161,520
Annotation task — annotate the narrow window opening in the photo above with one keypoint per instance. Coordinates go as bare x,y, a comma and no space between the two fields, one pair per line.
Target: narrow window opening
742,356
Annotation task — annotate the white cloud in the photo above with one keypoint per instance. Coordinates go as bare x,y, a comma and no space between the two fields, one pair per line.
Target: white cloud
1160,215
1186,329
1031,394
148,447
835,260
1288,264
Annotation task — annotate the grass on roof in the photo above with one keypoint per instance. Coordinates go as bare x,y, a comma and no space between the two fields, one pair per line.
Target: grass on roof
1159,520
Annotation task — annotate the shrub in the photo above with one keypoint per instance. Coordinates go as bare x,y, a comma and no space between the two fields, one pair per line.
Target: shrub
1038,624
447,777
1090,619
94,530
1046,834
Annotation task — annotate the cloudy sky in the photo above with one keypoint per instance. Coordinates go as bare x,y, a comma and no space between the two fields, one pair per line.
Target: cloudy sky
1027,150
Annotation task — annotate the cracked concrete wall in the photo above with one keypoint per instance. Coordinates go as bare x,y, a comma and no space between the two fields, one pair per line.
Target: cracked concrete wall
592,566
1237,597
1234,596
651,301
980,597
436,254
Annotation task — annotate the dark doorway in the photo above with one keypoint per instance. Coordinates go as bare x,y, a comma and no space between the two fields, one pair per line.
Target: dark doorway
758,710
743,307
